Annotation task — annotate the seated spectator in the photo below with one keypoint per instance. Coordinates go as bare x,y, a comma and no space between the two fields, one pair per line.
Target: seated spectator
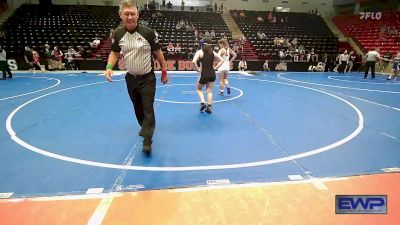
196,44
212,34
261,35
81,52
191,27
242,15
294,42
70,58
170,49
95,44
191,52
281,41
296,55
216,48
177,49
201,34
281,54
288,55
260,19
276,41
313,56
242,66
207,34
302,54
196,33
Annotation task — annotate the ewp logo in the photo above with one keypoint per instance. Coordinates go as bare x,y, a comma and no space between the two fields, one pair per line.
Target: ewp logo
361,204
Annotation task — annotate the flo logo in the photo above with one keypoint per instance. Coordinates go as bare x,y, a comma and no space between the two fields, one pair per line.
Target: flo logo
370,15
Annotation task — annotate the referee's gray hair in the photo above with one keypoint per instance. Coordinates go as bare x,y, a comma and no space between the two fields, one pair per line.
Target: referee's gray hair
126,3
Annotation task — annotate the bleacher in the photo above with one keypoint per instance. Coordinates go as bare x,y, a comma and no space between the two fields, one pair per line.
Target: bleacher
166,21
366,31
310,31
33,25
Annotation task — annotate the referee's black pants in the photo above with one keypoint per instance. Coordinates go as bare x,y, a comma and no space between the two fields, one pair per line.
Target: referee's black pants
342,66
370,64
142,89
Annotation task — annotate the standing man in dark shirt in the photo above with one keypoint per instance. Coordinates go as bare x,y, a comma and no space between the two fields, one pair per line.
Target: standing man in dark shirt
28,56
4,65
138,44
169,5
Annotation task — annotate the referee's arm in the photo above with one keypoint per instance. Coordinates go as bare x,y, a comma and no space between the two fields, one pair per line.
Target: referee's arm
112,60
160,58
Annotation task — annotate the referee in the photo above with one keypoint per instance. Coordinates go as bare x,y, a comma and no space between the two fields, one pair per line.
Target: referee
138,43
371,58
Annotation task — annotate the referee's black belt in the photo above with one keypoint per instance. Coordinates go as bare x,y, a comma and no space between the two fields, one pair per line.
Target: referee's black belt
139,77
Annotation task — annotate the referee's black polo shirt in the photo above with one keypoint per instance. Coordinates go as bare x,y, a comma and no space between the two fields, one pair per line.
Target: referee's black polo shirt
137,47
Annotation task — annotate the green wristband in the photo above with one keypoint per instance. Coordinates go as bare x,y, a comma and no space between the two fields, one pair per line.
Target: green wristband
109,66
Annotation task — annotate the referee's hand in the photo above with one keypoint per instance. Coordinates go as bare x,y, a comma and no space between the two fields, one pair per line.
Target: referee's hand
108,73
164,77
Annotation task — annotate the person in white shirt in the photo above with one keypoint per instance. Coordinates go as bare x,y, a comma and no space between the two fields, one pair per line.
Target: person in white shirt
225,52
4,65
343,59
371,58
265,66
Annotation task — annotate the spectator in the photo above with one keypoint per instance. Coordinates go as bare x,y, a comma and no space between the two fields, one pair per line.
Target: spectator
212,34
265,66
95,43
242,15
350,63
70,58
28,56
170,49
178,50
47,55
36,62
242,66
4,65
343,59
57,56
169,5
261,35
